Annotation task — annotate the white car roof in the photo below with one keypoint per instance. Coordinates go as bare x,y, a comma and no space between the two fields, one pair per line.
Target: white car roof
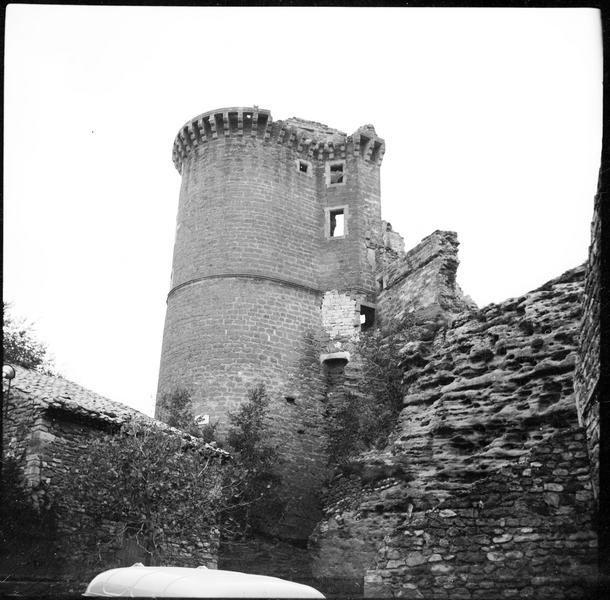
184,582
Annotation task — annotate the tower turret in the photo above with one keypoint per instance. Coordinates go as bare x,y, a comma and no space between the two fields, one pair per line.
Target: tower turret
272,216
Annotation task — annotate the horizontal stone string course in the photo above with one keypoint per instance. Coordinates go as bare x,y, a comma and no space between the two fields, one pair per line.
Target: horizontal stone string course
245,276
254,255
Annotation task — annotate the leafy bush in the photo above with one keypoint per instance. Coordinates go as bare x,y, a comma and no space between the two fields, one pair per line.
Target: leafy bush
156,486
257,505
253,502
176,409
19,345
363,414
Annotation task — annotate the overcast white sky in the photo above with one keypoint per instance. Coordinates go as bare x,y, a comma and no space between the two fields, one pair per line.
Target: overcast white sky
492,122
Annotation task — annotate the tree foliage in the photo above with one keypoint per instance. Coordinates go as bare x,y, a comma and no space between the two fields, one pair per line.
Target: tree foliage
254,502
156,485
176,409
20,346
258,506
362,416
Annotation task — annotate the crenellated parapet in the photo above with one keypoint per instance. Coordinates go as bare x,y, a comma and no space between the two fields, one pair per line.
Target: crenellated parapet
368,144
313,141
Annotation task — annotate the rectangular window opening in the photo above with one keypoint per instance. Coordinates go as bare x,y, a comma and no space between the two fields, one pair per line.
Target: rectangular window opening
336,173
380,283
337,223
303,166
367,317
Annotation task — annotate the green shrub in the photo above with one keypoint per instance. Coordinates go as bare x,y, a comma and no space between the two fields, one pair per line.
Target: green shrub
20,346
363,414
252,502
156,486
257,505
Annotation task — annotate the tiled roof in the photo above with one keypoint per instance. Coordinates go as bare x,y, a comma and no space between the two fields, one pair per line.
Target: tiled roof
55,392
52,391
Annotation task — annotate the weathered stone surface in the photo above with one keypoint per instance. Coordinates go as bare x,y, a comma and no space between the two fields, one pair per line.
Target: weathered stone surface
586,381
51,422
496,452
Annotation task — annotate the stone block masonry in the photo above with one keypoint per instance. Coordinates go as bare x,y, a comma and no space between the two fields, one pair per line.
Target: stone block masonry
496,501
586,382
523,532
49,423
422,284
483,488
260,266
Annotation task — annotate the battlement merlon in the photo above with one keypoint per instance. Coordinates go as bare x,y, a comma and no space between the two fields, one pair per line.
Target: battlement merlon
314,141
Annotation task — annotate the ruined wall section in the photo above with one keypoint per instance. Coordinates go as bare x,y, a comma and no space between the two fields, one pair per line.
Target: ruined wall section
419,295
422,285
523,532
489,403
587,377
339,316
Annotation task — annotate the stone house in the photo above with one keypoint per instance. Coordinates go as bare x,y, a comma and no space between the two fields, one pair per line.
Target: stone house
48,422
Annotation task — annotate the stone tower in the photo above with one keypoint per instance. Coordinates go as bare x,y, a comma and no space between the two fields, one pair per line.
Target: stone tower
273,273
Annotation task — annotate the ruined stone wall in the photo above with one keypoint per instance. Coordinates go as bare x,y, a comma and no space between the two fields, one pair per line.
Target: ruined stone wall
523,532
421,285
339,316
588,364
489,404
